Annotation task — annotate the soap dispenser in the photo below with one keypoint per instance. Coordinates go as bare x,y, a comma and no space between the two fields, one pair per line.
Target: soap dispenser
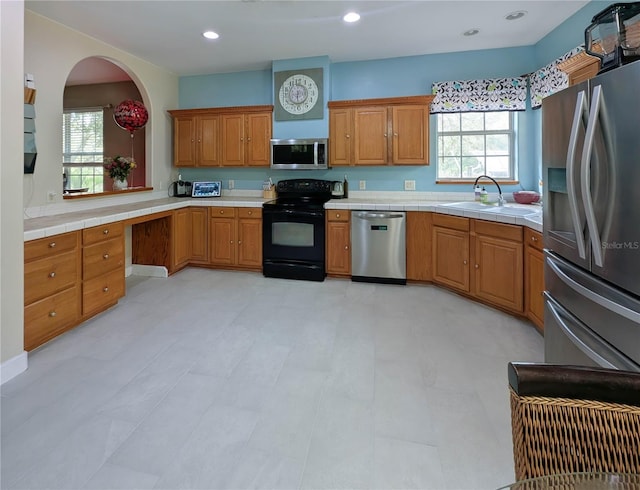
484,195
476,193
345,187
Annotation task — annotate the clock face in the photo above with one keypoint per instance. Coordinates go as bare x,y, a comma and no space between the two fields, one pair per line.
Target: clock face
298,94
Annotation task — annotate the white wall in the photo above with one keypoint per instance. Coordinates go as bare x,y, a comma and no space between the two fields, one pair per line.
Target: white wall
50,52
11,167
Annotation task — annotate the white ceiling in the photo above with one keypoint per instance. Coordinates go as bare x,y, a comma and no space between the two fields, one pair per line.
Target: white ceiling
253,33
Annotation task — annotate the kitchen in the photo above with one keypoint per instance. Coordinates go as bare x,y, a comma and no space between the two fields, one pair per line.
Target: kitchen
165,97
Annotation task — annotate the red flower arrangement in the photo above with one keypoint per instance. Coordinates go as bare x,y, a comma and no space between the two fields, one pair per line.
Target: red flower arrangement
119,167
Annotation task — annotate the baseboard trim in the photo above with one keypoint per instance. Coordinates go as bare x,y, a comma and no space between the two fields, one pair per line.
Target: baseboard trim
14,366
149,270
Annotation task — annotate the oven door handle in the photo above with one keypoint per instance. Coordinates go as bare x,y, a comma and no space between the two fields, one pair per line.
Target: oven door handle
290,213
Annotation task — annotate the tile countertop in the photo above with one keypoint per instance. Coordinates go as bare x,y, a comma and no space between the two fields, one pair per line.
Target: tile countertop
62,223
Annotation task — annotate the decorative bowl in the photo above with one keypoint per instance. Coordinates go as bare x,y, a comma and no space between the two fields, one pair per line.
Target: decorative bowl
526,197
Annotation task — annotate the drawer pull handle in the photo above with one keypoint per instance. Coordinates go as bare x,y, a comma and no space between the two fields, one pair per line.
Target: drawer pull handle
105,256
106,232
52,245
337,215
105,289
52,314
221,211
250,212
52,274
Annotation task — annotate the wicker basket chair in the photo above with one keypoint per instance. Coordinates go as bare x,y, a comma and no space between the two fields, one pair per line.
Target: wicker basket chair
568,419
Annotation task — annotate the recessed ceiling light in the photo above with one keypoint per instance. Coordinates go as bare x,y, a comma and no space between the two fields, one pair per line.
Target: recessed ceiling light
351,17
518,14
471,32
211,35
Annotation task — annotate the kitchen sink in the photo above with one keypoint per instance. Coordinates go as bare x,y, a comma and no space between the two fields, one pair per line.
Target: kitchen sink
507,210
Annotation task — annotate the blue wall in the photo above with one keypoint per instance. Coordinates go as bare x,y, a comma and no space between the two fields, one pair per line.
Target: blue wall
405,76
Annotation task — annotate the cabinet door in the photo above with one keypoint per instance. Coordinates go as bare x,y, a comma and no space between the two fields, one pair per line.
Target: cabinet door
209,141
258,152
250,242
232,140
338,250
419,246
181,237
451,257
498,272
199,235
370,141
340,130
534,286
223,241
184,141
410,135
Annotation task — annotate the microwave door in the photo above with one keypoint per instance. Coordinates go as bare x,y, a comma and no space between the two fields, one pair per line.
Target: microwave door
615,176
564,121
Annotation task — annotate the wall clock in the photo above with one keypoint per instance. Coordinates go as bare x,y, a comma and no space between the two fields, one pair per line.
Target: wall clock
298,94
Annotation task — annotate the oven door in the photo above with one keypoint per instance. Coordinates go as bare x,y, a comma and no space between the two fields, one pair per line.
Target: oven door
293,243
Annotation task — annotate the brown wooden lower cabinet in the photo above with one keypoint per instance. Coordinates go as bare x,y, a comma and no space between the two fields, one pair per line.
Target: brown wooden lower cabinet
480,258
419,246
534,277
338,242
235,236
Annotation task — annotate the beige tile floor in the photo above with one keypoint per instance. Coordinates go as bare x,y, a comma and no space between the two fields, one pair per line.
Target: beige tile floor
229,380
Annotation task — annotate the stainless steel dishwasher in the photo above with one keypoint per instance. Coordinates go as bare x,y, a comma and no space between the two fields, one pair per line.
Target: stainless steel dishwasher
378,251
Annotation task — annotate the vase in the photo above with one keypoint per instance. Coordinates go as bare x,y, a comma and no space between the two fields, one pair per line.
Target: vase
120,184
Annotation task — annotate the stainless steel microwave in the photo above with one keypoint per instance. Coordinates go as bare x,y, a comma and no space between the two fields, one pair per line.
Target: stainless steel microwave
300,154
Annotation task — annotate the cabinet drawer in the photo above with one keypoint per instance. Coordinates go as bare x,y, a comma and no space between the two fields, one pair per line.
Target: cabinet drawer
49,275
102,232
533,238
103,291
46,247
249,213
223,212
453,222
498,230
44,319
102,257
337,215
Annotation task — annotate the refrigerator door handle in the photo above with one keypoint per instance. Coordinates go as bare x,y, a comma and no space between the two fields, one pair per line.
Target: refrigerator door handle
596,298
581,108
581,341
585,176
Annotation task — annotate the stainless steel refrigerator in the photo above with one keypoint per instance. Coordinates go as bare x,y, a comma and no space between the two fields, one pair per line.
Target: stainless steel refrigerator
591,172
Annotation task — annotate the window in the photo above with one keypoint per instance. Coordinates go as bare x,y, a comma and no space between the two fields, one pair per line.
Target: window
476,143
82,149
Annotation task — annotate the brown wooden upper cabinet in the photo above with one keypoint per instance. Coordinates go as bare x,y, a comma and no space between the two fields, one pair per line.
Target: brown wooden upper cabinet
390,131
222,136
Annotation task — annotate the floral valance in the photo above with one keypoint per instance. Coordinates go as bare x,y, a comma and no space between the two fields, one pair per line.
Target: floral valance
550,79
496,94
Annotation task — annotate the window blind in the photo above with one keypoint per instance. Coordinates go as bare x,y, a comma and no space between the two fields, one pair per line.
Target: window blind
82,136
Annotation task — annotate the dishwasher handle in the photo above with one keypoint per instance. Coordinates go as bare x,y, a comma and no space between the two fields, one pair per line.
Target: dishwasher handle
379,215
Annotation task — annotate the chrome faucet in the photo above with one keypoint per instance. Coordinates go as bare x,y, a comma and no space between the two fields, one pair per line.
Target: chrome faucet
500,198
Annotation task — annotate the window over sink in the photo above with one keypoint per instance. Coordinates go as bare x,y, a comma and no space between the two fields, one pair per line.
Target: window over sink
475,143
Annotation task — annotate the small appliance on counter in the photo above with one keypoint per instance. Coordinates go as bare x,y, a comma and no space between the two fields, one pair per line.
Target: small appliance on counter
180,188
206,189
614,35
338,189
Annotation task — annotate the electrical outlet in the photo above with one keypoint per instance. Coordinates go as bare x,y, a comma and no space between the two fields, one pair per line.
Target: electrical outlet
232,184
363,185
409,185
51,196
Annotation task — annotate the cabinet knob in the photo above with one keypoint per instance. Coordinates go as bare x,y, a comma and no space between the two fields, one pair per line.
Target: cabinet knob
248,139
464,262
221,211
105,289
105,256
534,239
230,241
239,242
52,245
250,213
385,135
199,140
346,247
241,139
105,231
52,314
337,215
477,266
348,136
52,274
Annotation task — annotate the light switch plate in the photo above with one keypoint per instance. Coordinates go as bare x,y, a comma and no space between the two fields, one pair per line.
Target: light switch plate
363,185
409,185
